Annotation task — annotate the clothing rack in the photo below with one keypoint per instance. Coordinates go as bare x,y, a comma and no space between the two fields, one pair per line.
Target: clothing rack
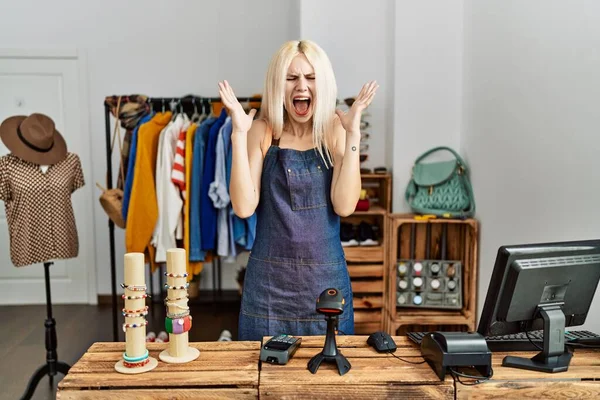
187,104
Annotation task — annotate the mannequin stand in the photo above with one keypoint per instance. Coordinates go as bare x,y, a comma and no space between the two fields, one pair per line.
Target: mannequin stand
53,366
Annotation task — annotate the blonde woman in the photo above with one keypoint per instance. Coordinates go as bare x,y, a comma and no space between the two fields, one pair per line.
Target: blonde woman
297,166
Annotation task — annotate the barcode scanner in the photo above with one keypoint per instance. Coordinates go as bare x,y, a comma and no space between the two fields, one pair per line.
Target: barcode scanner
331,304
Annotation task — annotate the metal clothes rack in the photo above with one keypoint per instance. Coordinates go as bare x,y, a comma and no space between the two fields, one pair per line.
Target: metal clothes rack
188,104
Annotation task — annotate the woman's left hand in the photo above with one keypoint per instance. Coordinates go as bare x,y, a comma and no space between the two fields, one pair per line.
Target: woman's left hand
351,119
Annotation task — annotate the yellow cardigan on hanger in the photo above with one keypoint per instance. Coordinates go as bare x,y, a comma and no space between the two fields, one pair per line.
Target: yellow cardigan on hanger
143,208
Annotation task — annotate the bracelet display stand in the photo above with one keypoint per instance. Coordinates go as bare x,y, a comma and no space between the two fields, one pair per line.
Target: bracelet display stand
135,359
178,321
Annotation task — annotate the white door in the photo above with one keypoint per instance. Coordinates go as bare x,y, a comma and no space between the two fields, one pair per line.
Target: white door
51,84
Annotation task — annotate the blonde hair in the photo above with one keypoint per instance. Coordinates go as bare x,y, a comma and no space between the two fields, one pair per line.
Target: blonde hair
272,108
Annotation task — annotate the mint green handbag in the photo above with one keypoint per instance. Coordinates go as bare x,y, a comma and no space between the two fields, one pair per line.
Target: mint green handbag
441,188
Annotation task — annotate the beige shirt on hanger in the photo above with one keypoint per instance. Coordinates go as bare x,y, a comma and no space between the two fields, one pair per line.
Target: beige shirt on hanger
169,225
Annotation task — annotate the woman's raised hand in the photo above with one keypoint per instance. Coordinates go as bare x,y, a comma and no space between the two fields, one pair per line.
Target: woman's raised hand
351,119
240,120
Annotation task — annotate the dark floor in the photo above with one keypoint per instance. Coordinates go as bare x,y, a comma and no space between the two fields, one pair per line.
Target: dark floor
22,337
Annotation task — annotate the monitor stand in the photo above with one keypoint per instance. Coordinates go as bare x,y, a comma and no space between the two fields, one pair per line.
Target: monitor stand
553,358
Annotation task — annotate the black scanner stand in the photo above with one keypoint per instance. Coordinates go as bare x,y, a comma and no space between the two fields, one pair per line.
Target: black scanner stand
456,349
330,352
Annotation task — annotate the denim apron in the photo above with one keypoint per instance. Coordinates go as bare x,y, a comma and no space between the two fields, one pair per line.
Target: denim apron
297,252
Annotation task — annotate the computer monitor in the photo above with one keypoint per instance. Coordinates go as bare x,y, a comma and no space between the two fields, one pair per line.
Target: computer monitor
541,286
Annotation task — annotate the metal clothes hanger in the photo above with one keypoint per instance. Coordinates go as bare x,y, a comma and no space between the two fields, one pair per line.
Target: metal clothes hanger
195,116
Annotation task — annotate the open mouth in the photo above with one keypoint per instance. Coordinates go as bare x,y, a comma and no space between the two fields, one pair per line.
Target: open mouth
301,105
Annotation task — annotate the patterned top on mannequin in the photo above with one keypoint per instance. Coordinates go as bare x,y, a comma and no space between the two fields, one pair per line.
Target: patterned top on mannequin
38,208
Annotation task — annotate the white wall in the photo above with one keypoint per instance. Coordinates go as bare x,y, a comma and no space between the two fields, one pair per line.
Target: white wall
427,84
156,48
357,37
531,120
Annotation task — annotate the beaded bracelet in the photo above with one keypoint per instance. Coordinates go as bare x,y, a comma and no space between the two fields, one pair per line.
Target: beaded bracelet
135,315
135,288
137,364
180,315
135,359
177,298
142,296
172,275
136,325
187,285
134,311
178,325
168,304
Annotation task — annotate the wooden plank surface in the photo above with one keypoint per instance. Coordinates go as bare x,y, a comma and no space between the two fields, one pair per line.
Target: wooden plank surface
365,316
364,254
367,302
442,391
365,270
369,373
158,394
375,286
530,390
367,328
585,364
221,365
580,381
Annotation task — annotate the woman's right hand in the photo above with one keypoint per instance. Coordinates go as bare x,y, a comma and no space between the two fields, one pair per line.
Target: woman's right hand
240,120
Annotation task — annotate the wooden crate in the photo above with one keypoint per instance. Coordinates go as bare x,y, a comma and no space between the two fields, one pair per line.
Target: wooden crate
367,265
223,370
372,375
462,244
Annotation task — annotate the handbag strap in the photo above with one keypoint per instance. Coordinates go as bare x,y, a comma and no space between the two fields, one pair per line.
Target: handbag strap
117,135
439,148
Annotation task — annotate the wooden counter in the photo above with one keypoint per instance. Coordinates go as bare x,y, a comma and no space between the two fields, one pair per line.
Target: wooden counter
231,370
580,381
227,370
372,376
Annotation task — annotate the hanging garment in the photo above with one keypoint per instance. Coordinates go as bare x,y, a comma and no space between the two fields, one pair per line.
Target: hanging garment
193,268
38,207
229,214
143,208
130,113
208,221
169,224
131,165
297,252
219,193
196,252
178,167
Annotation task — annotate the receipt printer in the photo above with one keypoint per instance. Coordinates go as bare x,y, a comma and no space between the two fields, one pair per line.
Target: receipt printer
444,350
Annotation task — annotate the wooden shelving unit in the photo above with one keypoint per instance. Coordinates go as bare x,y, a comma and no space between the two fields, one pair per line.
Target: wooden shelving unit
462,244
368,265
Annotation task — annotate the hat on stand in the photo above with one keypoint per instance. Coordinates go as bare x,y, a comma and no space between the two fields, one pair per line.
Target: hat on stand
34,139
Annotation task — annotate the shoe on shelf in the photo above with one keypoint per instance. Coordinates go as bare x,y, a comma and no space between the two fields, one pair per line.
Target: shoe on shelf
348,235
366,234
225,336
163,336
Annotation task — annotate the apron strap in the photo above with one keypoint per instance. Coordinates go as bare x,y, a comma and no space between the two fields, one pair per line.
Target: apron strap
268,140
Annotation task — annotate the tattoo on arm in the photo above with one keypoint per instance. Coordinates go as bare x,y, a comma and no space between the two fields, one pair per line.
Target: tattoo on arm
353,148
